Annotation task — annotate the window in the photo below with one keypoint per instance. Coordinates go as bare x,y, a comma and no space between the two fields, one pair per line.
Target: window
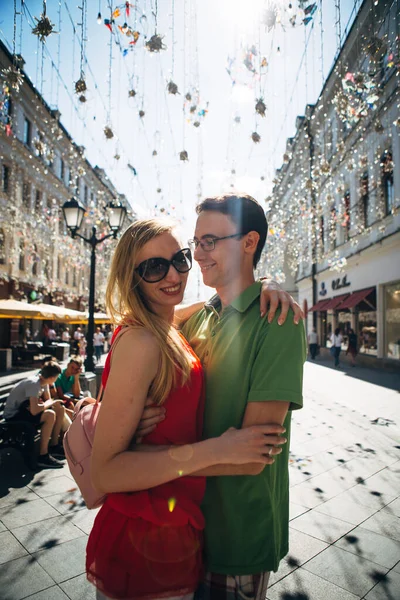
387,181
35,258
364,200
332,228
38,200
21,256
322,231
2,247
58,267
5,179
26,194
85,195
49,203
66,277
62,169
74,282
27,133
346,216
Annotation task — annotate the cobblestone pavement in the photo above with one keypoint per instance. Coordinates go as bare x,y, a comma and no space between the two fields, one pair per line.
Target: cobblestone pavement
345,503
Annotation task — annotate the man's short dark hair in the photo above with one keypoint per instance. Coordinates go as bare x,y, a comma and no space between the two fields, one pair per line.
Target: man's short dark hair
244,211
50,369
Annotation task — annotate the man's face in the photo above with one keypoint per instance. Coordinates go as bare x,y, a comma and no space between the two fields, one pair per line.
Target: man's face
75,368
225,263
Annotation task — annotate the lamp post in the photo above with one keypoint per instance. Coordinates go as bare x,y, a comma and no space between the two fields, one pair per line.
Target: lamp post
73,215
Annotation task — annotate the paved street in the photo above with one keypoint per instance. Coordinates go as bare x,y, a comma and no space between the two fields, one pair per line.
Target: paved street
345,503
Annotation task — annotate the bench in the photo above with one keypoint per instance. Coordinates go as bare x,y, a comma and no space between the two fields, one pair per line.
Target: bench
17,434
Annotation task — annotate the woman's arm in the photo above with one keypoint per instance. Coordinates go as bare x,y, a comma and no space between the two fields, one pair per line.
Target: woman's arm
135,363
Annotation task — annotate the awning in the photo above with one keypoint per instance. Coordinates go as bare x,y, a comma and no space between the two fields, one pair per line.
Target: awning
14,309
321,304
356,298
334,302
84,318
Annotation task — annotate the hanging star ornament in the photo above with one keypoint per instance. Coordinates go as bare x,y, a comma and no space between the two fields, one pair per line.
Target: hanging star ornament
80,85
172,88
183,155
108,132
260,107
255,137
131,93
155,43
13,77
44,27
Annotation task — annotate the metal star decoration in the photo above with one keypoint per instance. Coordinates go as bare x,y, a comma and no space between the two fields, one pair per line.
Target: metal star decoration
13,77
260,107
172,88
108,132
155,43
44,26
183,155
255,137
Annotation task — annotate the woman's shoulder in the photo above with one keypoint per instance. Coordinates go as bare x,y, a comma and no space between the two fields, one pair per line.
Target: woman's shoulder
137,339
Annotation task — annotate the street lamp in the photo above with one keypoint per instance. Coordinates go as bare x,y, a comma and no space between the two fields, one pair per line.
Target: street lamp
73,214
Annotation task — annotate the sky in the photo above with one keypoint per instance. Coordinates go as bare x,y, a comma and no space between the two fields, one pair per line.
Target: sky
202,40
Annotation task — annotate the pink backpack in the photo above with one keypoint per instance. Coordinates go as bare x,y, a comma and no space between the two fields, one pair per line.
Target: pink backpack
78,443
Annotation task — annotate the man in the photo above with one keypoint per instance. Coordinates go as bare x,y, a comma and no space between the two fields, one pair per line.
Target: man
98,342
30,401
313,343
253,371
78,335
67,383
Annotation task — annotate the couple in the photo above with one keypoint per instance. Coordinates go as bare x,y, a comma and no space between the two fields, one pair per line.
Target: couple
221,405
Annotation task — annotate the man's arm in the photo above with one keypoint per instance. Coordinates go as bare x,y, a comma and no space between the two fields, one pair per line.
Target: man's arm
36,406
183,313
76,386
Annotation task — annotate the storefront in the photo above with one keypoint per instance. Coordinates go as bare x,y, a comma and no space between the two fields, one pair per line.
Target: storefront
364,297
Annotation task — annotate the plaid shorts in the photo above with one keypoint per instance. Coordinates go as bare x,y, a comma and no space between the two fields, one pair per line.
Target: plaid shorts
233,587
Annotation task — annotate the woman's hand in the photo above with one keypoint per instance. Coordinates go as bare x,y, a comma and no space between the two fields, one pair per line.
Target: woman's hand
273,295
255,444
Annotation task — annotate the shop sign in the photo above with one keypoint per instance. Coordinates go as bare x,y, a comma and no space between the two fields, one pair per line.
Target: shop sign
338,283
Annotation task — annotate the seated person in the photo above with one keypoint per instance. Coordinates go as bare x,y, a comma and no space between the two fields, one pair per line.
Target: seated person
30,401
68,387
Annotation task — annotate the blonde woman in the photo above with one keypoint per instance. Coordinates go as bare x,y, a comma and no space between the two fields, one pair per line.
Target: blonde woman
146,541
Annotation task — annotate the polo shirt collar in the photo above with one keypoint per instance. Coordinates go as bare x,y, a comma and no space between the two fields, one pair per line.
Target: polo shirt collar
241,303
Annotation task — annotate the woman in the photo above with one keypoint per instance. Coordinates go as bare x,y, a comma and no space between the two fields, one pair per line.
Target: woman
352,347
336,341
146,541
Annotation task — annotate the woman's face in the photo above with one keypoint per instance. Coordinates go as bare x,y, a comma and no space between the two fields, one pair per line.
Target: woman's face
168,292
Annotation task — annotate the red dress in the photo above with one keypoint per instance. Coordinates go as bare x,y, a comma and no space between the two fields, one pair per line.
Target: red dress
148,544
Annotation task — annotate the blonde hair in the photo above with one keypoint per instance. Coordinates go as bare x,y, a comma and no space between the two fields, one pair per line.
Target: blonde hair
127,304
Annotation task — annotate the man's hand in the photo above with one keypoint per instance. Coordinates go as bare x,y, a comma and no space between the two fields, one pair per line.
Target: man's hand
151,416
273,295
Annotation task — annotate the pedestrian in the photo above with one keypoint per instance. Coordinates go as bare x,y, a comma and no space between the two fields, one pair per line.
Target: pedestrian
336,341
82,346
253,373
352,347
65,337
148,544
313,343
77,337
98,341
30,401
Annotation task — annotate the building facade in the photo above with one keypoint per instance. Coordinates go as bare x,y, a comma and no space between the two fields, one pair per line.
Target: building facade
334,212
40,169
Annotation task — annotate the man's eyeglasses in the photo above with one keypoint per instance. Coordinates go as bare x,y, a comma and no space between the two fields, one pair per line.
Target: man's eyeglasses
208,243
153,270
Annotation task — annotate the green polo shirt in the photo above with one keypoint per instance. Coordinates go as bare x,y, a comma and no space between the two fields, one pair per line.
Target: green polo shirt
246,359
64,382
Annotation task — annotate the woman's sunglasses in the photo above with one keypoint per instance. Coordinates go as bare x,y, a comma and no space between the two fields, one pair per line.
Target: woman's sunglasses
153,270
